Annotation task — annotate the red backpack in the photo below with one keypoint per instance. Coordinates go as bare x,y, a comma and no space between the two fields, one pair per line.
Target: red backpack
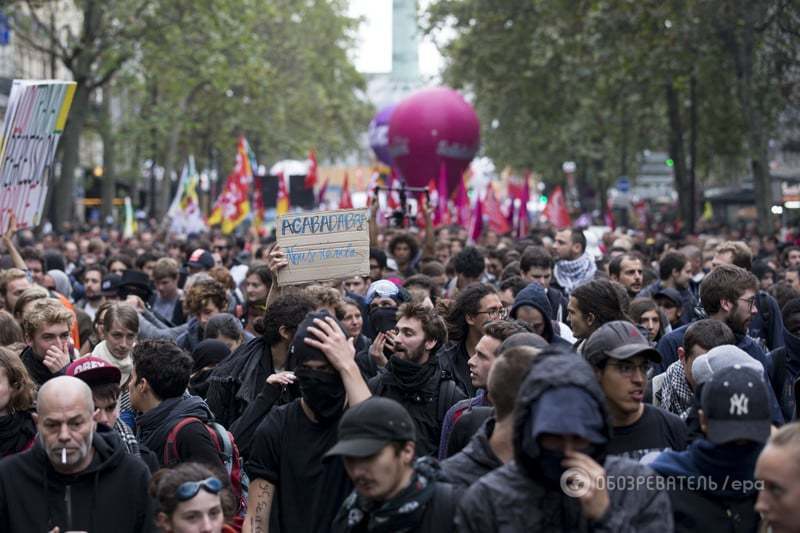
228,453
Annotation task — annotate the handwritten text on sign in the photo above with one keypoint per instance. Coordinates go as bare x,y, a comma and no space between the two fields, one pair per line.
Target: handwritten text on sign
324,245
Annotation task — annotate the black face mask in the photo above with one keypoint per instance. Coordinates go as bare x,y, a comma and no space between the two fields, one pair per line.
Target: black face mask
550,464
382,319
323,392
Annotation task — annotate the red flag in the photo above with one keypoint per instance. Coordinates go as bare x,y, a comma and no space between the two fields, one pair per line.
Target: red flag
462,204
345,202
322,191
311,178
233,204
258,205
476,226
282,203
491,206
556,210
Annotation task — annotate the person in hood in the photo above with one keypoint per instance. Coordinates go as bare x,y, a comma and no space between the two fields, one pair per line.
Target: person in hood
393,492
536,265
157,389
291,489
46,327
413,377
712,484
73,479
778,471
491,446
561,423
785,369
621,358
532,307
206,356
258,375
473,307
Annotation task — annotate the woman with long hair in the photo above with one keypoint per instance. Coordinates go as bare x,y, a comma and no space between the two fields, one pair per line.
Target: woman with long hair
17,428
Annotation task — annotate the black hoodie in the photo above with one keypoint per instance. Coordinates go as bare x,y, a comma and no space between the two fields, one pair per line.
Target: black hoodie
512,498
109,495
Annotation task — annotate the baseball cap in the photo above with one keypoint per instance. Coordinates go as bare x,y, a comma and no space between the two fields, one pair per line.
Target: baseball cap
94,371
568,410
706,366
735,403
201,259
110,285
383,288
369,426
671,294
619,340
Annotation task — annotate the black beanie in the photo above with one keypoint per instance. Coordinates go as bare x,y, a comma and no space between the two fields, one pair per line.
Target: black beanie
299,350
209,353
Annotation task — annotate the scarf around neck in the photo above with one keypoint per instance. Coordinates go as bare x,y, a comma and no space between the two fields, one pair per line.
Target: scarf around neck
408,376
125,366
676,396
570,274
401,514
16,432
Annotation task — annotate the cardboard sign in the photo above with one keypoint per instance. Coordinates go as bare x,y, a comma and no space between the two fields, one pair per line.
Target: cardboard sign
34,121
324,245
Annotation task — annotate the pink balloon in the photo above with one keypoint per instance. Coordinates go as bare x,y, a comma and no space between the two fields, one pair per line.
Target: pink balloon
430,127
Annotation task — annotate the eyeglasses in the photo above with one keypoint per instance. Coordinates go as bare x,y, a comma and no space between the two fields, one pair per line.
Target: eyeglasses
497,312
627,369
749,301
220,248
189,489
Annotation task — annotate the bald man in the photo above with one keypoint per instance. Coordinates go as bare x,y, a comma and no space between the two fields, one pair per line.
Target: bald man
73,478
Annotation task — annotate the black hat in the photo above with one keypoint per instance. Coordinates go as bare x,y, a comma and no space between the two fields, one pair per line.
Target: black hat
619,340
136,282
110,284
670,294
201,259
299,350
735,403
209,352
369,426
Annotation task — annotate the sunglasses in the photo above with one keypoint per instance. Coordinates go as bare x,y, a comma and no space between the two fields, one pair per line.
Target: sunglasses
189,489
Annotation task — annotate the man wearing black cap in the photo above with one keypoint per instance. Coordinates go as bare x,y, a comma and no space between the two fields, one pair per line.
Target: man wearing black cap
670,303
621,358
377,443
712,484
291,489
675,272
555,482
413,376
200,261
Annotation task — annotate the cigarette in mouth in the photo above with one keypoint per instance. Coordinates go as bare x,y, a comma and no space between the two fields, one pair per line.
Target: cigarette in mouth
63,456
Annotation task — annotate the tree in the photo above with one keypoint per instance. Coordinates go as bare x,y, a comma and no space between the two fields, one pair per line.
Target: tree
93,49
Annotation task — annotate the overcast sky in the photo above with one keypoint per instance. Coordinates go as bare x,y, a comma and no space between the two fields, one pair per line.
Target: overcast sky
374,53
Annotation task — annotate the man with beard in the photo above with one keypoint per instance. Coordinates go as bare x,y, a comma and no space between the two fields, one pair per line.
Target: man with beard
627,269
161,372
291,489
727,294
73,479
413,377
92,289
575,265
561,423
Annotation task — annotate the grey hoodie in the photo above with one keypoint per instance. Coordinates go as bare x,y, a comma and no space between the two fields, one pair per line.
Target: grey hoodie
511,498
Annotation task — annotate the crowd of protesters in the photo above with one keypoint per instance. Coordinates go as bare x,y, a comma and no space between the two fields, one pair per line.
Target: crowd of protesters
166,382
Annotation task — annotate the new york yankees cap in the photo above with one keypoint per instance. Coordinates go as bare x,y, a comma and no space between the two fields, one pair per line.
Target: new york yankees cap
735,404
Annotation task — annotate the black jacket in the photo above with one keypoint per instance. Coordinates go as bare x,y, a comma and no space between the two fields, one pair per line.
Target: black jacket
238,379
38,372
513,498
109,495
427,405
453,359
474,461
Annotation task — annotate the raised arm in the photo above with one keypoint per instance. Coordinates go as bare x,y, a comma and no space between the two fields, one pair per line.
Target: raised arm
276,260
373,223
8,241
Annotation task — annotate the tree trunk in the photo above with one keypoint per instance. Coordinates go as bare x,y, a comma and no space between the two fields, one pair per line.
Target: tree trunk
676,152
63,191
108,183
693,153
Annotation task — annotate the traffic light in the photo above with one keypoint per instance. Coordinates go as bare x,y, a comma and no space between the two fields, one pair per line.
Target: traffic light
543,199
670,163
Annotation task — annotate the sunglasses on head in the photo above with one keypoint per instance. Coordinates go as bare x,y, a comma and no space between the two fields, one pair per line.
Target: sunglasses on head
189,489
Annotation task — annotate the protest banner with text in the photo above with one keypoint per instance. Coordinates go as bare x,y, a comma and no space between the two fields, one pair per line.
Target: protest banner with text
324,245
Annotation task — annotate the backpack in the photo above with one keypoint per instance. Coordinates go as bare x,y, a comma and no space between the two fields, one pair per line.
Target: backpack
228,452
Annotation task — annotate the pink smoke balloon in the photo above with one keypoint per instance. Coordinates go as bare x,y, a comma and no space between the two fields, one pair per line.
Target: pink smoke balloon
430,127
